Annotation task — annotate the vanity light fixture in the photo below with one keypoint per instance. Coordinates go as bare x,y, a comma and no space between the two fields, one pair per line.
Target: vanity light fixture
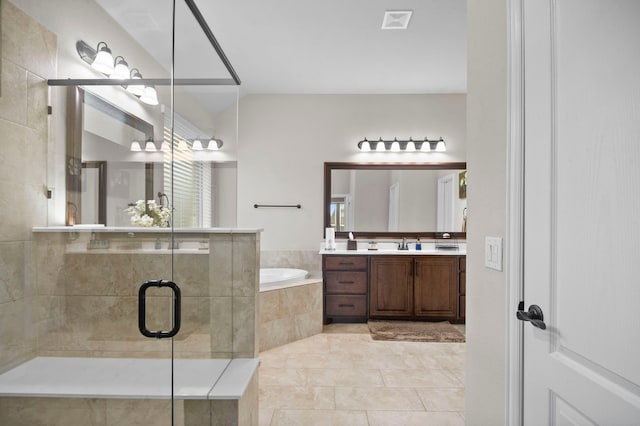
410,145
103,60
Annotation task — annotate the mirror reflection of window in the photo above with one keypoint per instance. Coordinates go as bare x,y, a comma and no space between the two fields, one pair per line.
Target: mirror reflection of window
338,213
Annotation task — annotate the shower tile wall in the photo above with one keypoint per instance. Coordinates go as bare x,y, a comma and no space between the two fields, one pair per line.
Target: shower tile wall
28,60
88,300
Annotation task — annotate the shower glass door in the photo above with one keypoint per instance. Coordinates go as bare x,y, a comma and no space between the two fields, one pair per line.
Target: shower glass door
141,278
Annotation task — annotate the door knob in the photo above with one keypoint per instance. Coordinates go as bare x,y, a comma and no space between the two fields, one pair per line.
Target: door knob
533,315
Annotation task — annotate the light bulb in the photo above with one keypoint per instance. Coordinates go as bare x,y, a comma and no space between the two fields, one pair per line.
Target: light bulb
380,146
150,146
120,70
196,145
441,147
103,61
136,89
150,96
213,145
135,146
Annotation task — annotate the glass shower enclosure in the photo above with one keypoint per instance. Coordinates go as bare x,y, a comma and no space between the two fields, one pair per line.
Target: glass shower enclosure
147,270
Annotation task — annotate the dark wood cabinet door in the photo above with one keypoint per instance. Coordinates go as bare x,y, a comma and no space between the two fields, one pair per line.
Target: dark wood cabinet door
436,287
391,291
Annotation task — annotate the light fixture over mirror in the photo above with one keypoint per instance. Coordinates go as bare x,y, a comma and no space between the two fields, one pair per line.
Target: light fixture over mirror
118,69
396,145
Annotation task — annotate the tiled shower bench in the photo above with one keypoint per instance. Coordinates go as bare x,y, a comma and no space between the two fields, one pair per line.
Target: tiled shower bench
129,391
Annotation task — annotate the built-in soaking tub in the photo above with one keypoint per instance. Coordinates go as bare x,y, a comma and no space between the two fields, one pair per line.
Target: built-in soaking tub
290,306
273,278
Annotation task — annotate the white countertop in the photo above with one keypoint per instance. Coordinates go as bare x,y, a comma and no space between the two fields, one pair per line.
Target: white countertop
142,229
391,248
388,252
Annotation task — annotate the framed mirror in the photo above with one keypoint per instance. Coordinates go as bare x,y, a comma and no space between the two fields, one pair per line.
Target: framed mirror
104,175
396,199
99,135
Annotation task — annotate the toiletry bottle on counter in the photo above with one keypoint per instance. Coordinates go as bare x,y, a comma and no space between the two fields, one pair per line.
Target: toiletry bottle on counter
418,244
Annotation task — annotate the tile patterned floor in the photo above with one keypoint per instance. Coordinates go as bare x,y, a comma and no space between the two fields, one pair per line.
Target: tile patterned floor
343,377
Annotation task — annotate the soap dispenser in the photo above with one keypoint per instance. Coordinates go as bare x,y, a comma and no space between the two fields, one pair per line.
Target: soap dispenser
418,244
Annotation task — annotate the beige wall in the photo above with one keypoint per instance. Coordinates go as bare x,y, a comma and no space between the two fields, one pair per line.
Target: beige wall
28,59
284,140
486,288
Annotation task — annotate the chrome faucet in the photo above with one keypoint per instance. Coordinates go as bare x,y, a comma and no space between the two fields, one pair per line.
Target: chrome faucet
403,245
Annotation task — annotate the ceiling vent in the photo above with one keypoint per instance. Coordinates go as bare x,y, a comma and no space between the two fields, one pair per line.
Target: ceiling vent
396,19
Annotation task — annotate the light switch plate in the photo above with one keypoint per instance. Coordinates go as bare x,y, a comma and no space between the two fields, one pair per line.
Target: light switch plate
493,253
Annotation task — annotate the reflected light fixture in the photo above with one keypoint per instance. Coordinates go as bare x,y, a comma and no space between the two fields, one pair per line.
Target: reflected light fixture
196,145
182,145
150,96
120,69
136,89
214,144
410,145
150,146
103,61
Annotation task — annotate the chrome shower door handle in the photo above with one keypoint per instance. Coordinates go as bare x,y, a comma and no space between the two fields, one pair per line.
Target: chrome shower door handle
142,309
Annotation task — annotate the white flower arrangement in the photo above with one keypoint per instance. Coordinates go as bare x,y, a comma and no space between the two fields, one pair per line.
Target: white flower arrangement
150,215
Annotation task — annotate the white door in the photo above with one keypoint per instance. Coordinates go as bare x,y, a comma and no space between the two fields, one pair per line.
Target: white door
446,197
394,206
582,211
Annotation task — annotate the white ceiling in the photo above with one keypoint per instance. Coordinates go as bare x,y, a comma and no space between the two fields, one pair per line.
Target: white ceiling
317,47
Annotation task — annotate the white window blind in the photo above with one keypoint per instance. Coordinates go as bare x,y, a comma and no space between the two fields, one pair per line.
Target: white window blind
188,183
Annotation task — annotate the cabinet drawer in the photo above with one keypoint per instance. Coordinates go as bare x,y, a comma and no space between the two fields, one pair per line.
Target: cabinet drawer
346,306
345,263
346,282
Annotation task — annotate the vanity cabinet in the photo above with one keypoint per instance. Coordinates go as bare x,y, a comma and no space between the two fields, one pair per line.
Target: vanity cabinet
436,287
345,281
418,287
391,293
381,286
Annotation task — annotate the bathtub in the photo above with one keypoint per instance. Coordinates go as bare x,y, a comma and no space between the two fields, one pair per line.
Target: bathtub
271,278
290,306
